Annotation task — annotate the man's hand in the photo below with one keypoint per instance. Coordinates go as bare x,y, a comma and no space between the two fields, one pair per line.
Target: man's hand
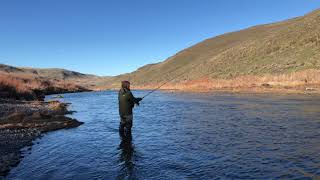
137,101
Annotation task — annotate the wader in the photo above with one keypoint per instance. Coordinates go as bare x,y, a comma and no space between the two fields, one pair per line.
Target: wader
125,125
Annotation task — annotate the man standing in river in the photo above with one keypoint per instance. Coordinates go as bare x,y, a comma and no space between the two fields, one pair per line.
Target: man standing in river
126,104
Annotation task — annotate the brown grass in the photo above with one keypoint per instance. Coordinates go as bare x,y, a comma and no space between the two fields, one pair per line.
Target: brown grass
29,87
304,80
19,82
15,88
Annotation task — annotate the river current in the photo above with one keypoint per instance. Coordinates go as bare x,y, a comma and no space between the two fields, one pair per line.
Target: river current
182,136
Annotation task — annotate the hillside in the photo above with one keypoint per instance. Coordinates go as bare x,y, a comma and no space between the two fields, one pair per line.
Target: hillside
34,83
284,54
55,75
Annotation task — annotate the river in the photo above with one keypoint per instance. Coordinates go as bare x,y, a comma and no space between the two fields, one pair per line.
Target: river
182,136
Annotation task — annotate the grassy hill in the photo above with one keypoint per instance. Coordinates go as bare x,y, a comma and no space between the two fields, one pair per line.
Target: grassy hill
33,83
283,54
54,75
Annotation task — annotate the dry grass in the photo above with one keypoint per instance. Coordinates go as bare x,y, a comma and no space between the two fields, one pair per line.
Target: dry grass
15,88
308,79
30,87
19,82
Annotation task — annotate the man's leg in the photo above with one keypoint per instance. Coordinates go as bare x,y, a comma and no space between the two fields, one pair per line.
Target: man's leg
121,127
128,125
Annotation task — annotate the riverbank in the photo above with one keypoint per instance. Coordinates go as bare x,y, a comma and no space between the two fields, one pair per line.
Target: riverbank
22,122
301,82
240,86
254,90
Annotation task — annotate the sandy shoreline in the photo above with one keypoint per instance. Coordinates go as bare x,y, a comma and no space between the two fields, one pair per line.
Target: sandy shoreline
22,122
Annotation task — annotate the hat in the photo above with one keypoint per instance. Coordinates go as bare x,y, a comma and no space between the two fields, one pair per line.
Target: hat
125,84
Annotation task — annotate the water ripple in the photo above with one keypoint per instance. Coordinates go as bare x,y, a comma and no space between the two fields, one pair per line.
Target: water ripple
183,136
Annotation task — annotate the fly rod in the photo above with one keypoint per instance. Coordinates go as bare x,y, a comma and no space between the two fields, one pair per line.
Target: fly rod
169,80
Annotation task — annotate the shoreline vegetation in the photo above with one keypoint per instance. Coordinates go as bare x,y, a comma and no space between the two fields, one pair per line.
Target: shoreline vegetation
304,82
25,116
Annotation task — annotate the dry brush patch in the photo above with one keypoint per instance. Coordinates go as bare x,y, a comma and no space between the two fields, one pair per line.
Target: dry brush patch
30,87
303,80
16,87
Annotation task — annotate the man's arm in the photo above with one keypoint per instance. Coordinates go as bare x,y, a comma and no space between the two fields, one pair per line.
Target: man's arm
134,99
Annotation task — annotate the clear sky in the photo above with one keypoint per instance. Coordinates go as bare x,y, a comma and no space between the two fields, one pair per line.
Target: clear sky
110,37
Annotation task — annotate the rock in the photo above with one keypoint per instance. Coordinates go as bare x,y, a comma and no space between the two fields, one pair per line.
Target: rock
58,96
265,85
15,117
57,107
310,89
36,115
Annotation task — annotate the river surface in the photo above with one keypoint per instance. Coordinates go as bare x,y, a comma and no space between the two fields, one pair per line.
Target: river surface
182,136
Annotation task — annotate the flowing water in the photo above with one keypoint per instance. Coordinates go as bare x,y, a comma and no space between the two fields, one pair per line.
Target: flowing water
183,136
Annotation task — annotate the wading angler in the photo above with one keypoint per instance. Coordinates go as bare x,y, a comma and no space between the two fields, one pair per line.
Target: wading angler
126,104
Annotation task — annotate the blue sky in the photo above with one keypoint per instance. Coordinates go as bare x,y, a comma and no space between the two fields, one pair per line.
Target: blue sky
110,37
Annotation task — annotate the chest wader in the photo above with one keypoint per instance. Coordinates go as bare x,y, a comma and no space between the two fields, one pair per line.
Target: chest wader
125,126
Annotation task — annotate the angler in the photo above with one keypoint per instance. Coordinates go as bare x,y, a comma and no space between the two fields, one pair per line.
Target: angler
126,104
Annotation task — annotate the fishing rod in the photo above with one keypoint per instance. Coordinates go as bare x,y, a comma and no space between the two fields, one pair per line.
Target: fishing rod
157,88
169,80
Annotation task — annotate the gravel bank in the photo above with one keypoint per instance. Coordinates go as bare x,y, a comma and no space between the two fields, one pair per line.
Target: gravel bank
21,122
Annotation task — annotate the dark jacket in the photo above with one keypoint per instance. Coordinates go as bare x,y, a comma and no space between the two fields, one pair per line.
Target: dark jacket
126,102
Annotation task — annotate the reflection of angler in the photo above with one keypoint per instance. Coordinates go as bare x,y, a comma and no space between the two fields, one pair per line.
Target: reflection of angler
126,159
126,149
